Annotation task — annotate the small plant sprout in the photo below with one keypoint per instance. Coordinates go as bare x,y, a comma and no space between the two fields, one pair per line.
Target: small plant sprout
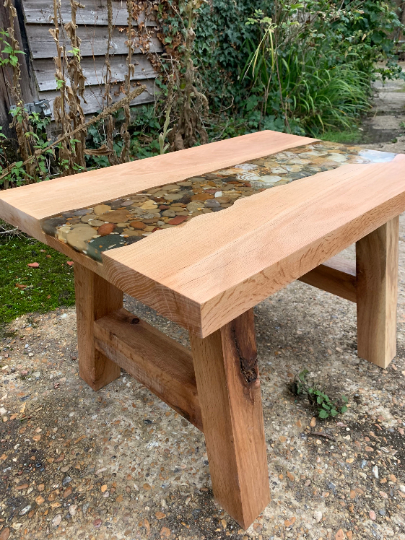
318,398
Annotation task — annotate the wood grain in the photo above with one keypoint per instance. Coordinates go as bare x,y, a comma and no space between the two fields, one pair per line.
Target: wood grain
27,205
156,361
210,270
95,298
94,41
94,96
228,386
377,294
95,13
94,71
336,276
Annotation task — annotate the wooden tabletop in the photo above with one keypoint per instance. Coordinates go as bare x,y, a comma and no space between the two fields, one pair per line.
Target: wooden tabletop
217,264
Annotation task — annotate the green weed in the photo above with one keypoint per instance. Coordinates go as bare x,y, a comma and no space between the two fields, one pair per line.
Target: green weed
318,398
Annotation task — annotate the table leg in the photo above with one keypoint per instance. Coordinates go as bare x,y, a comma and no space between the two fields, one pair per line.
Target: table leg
377,293
95,298
228,387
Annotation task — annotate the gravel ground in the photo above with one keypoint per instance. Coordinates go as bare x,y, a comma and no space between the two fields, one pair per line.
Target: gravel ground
119,464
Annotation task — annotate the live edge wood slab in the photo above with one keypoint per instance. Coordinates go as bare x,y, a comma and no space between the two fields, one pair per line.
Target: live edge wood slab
206,269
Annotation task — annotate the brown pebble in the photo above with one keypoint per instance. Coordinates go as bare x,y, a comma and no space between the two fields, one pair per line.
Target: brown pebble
106,228
4,534
137,225
177,220
67,492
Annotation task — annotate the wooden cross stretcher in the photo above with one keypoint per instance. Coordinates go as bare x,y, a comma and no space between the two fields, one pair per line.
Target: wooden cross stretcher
208,273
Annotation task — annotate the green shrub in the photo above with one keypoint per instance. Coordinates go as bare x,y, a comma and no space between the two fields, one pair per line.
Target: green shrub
315,61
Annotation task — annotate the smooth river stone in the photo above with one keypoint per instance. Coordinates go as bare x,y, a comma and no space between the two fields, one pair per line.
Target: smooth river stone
151,214
97,245
49,226
212,203
116,216
270,179
95,222
83,212
127,203
78,236
88,217
137,225
177,220
149,205
173,196
62,232
105,228
195,206
168,213
101,209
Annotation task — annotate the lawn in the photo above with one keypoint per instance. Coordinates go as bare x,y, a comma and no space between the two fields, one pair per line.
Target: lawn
32,289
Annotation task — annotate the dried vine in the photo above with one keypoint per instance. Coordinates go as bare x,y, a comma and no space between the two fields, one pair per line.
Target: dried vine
21,120
130,72
60,104
77,84
109,122
83,127
191,104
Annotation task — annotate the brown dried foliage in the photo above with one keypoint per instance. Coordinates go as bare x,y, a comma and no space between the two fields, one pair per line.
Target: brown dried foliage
191,105
23,127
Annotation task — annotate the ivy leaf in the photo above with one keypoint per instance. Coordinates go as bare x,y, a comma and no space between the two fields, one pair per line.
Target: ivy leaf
323,414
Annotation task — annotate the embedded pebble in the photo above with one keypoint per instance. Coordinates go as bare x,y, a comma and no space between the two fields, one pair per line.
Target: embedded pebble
106,228
96,246
100,209
140,215
137,225
78,237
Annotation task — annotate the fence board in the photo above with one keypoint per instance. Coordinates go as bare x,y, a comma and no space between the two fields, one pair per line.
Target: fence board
94,41
94,71
95,12
94,96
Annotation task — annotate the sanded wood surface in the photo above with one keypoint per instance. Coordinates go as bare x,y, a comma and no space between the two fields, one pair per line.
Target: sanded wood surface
95,298
207,272
336,276
228,386
26,206
377,294
158,362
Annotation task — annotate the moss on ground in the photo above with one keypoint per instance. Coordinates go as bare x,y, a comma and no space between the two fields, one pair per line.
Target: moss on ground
24,289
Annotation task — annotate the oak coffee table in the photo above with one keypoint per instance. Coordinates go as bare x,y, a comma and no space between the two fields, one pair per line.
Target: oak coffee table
131,228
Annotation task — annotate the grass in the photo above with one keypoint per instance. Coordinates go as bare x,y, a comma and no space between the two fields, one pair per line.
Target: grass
345,137
25,289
